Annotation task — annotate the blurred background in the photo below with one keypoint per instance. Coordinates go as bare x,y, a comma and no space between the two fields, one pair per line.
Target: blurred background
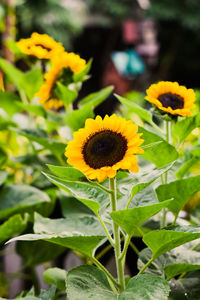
132,42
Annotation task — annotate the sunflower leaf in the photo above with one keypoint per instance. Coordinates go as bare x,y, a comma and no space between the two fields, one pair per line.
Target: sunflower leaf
161,241
180,191
89,194
160,154
95,99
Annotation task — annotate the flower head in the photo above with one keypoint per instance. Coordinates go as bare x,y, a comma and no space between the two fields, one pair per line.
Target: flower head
105,146
59,72
171,97
41,46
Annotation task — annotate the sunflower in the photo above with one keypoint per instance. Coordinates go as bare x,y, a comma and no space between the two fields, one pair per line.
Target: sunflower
41,46
105,146
59,72
171,97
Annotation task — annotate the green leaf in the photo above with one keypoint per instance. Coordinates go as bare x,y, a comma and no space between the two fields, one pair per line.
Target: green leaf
95,99
92,284
180,190
161,241
186,166
9,102
81,76
48,294
3,157
38,110
14,225
57,276
160,154
41,138
141,112
65,94
18,198
146,287
67,173
31,82
76,119
182,128
129,219
89,194
3,176
12,72
79,234
38,252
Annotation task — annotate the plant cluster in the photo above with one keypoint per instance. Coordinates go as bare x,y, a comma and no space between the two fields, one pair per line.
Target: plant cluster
132,176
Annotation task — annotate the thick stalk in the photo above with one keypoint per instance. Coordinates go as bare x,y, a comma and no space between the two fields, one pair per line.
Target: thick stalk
116,231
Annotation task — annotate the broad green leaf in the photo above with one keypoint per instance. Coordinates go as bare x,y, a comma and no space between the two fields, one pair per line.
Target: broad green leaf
186,166
160,154
180,190
182,128
38,252
65,94
81,76
48,294
57,276
129,219
6,123
67,173
3,176
176,269
77,234
12,72
196,152
132,184
89,194
31,82
92,284
3,157
76,119
14,225
9,102
36,109
41,138
161,241
72,207
18,198
146,287
95,99
144,114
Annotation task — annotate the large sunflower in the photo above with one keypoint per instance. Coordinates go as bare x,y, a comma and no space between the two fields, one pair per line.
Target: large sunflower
40,45
105,146
59,70
171,97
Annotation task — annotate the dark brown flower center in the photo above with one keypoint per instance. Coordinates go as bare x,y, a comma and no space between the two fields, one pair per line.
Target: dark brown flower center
171,100
43,47
104,148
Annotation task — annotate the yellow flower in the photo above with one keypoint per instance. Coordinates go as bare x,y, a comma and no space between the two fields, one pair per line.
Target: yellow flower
171,97
41,46
57,72
105,146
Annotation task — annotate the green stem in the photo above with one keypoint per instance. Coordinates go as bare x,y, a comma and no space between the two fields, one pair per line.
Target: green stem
126,244
106,231
98,264
135,249
35,280
104,251
102,187
145,266
116,231
195,246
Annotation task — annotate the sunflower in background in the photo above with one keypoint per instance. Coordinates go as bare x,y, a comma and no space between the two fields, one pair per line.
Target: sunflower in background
105,146
63,67
40,45
171,98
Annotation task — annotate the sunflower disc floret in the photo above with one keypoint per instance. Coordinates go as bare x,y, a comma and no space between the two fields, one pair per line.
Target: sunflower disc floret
105,146
171,98
40,45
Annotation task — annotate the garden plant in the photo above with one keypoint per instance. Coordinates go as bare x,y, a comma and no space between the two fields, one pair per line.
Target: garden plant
131,176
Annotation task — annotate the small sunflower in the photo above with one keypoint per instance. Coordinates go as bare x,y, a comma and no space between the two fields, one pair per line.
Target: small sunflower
59,71
172,98
41,46
105,146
